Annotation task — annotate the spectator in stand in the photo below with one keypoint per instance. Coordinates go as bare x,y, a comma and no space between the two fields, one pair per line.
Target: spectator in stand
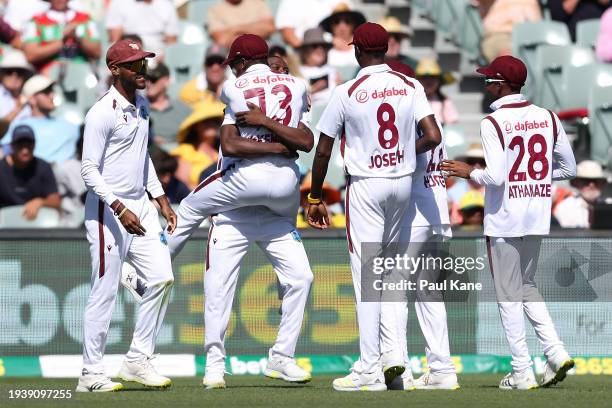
397,34
14,71
430,75
55,138
474,156
166,166
573,212
60,33
155,21
166,114
228,19
319,75
19,12
294,17
9,35
571,12
71,187
26,179
198,139
498,18
207,85
604,39
471,207
342,23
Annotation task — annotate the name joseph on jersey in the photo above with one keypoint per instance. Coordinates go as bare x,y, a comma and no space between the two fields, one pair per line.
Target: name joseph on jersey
387,159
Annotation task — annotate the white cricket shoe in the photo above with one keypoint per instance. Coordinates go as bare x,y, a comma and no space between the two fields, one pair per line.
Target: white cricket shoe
143,372
213,380
96,383
130,280
393,366
519,381
361,382
556,370
437,381
285,368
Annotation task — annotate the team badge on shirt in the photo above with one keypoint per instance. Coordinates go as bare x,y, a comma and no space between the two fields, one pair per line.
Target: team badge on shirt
296,236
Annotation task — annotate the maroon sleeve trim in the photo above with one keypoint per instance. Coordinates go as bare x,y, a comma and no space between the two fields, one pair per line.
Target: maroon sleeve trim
402,77
554,126
356,84
500,135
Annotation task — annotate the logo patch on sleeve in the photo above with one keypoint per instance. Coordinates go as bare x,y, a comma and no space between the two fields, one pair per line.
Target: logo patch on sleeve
296,236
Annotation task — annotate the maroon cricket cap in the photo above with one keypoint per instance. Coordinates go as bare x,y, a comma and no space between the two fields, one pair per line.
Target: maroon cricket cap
506,67
371,37
247,46
126,51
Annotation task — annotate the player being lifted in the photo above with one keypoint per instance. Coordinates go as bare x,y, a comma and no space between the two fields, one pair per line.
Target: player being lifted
257,165
525,149
377,113
122,224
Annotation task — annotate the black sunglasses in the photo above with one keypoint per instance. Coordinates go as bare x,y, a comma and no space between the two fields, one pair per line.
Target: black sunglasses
136,66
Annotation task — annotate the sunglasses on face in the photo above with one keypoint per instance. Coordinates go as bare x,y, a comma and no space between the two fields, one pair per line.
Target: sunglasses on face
489,81
213,61
136,66
13,71
344,20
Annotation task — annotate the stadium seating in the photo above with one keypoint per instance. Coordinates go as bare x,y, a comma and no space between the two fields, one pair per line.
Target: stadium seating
526,37
449,14
470,32
600,123
71,112
578,80
455,140
197,10
191,33
11,217
550,61
184,61
587,32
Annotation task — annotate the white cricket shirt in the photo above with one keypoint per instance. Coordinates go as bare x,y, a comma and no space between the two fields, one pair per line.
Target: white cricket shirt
525,149
279,96
376,112
116,163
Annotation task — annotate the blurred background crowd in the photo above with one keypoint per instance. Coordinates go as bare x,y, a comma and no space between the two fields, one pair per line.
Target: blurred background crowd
52,70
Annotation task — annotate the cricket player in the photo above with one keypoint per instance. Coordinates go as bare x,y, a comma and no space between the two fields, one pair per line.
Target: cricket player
376,112
252,157
525,149
122,223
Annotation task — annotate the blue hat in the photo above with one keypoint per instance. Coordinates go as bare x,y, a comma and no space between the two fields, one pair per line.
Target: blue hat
23,133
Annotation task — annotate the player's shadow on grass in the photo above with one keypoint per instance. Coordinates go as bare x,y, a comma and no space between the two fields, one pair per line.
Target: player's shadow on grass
296,386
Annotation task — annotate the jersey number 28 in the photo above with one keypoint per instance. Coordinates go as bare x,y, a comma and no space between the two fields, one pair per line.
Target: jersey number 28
537,165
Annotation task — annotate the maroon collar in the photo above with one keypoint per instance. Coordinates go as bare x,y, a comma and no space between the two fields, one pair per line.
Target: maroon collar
516,105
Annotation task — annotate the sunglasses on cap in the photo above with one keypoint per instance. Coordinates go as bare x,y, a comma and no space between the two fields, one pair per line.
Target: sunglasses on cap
135,66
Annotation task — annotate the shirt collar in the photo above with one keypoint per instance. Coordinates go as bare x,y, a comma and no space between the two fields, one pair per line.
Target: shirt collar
507,101
123,103
61,16
257,67
373,69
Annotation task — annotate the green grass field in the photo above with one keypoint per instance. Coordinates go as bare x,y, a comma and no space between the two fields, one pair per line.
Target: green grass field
476,391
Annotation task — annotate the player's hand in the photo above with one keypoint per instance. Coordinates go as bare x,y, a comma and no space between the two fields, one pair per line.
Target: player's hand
170,217
254,117
30,209
456,168
131,223
317,216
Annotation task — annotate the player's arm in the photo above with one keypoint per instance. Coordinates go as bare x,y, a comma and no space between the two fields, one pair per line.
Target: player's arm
234,145
300,138
494,174
564,162
424,116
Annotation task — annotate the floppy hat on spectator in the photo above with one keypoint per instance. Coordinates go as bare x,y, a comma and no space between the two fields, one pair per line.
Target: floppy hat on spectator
201,111
590,169
371,37
430,67
506,67
36,84
315,36
126,51
16,60
23,133
395,27
342,10
471,200
247,46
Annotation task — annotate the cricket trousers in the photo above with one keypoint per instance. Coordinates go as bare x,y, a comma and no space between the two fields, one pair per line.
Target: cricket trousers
272,182
431,313
110,245
513,263
230,236
374,211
